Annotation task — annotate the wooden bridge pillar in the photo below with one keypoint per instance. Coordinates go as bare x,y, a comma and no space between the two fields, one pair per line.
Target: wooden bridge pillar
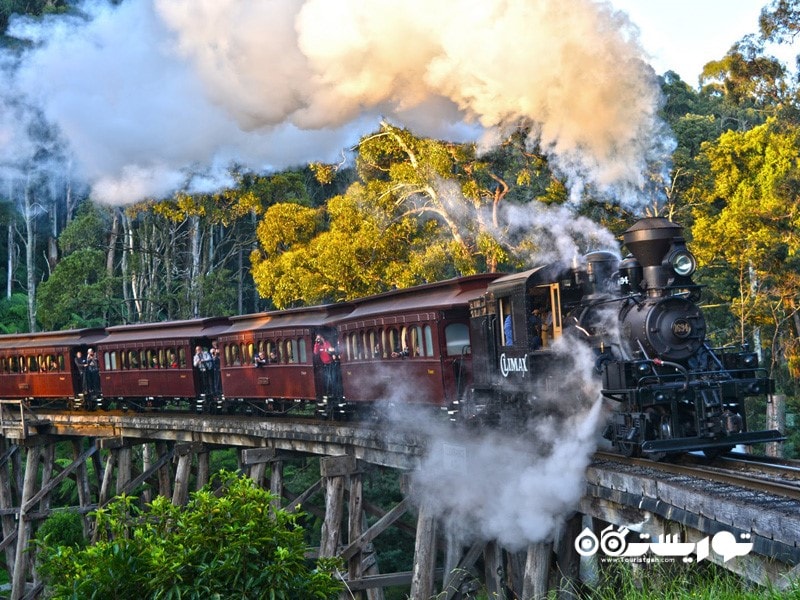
422,575
34,454
276,482
7,501
537,571
165,472
334,471
82,484
185,454
124,468
203,459
569,561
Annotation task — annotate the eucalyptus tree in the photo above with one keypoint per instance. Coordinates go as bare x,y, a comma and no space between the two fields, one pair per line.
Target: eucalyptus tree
747,223
421,210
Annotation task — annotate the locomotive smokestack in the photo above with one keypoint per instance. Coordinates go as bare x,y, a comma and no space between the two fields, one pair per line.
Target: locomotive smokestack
650,239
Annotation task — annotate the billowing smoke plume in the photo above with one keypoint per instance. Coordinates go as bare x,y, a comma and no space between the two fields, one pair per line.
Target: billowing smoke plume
509,485
151,96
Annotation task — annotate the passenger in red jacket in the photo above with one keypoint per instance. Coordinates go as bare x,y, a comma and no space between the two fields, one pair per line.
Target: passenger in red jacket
326,354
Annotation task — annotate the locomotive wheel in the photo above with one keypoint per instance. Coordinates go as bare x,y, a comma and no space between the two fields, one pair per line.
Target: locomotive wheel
628,449
712,453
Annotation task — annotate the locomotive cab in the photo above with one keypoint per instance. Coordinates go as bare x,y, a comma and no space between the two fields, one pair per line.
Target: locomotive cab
514,327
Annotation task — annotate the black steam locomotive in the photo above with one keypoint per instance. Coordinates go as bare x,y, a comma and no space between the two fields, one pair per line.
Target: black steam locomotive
639,322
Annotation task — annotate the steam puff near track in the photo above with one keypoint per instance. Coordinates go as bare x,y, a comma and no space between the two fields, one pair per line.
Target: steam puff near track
516,487
155,95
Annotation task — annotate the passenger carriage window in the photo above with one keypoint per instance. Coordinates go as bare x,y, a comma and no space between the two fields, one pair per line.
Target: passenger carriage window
235,358
60,362
133,359
373,344
404,341
182,357
113,358
394,342
347,352
4,365
301,350
456,337
428,333
107,360
416,341
291,351
366,349
33,365
249,353
52,362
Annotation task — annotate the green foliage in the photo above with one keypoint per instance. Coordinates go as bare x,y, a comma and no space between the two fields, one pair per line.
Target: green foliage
86,230
217,295
747,223
63,528
680,581
29,7
233,544
77,293
14,314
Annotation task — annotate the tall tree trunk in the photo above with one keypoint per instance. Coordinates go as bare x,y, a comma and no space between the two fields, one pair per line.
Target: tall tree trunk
30,244
194,273
10,262
111,253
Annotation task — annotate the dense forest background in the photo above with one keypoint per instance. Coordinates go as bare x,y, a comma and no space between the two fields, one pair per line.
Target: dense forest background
402,210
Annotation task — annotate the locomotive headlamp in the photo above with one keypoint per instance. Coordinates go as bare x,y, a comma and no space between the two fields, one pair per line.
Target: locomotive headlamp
683,263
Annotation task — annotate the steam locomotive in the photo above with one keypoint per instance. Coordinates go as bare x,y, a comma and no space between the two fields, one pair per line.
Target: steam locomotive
488,348
672,393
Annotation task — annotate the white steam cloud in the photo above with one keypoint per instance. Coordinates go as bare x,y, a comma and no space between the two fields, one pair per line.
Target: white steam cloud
510,486
155,95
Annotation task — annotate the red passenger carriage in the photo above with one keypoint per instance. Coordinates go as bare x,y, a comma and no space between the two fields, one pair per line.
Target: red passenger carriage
148,365
410,345
286,338
42,365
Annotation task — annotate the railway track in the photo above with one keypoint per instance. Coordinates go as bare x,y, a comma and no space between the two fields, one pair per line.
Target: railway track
763,474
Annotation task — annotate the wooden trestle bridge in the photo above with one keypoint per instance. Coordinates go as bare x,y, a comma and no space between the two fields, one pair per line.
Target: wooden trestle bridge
175,450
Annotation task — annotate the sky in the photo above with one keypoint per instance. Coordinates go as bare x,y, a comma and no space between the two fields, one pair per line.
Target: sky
278,84
683,35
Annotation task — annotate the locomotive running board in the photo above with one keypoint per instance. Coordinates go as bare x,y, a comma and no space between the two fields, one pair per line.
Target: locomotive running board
690,444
